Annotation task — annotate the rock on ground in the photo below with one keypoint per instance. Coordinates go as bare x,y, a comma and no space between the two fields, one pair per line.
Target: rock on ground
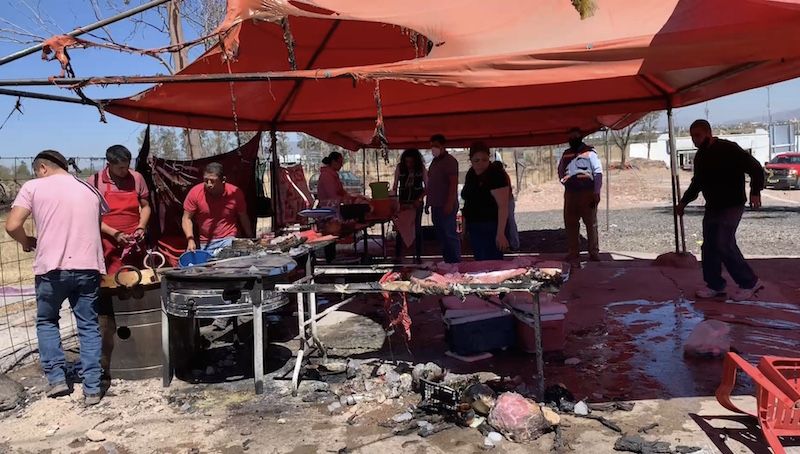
518,418
11,393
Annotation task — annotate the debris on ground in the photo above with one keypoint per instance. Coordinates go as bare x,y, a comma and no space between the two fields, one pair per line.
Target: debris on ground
572,362
647,428
480,397
581,409
559,397
610,424
637,444
95,435
518,418
612,406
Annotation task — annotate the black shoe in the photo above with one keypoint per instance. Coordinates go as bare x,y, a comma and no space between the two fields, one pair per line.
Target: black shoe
92,399
58,389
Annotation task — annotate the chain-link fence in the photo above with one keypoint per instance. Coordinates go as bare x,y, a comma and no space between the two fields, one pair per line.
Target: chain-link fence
17,297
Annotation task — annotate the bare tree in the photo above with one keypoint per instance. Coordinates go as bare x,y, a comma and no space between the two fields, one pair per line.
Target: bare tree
649,129
622,138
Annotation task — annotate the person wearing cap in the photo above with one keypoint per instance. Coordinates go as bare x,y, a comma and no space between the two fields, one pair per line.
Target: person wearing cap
68,263
123,228
581,173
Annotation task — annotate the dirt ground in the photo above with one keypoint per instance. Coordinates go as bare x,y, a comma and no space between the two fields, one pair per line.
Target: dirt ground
627,333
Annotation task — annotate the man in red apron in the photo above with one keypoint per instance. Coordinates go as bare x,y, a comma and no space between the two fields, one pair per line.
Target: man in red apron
123,227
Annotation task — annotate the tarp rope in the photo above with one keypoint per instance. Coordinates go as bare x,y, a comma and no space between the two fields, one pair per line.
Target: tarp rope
233,101
380,131
289,40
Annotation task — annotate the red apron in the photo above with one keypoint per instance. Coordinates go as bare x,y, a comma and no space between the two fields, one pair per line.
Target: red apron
123,215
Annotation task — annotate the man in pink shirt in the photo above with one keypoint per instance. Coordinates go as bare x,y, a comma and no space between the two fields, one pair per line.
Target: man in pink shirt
68,265
219,211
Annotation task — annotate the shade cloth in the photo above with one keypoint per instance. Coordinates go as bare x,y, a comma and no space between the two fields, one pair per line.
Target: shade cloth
518,72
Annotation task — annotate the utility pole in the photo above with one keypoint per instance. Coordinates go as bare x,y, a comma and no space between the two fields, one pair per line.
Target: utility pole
180,60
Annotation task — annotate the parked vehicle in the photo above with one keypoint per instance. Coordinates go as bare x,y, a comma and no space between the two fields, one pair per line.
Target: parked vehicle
783,171
352,184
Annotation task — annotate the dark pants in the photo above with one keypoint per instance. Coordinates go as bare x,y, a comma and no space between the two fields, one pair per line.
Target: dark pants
399,246
447,234
483,238
81,288
719,247
579,205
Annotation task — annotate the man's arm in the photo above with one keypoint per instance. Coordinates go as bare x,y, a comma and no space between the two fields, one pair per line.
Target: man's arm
597,177
188,230
562,168
15,226
501,197
244,221
144,213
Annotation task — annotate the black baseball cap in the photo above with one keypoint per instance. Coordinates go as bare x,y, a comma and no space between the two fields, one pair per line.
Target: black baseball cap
54,157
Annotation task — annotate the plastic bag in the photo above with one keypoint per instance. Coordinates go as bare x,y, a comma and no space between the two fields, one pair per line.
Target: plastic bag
709,338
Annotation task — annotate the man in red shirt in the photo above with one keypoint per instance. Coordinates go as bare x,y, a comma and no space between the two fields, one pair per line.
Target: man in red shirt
218,210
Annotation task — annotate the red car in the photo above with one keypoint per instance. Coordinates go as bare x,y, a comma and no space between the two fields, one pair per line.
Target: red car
783,171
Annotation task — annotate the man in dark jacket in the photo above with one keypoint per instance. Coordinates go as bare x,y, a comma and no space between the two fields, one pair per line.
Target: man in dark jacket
719,170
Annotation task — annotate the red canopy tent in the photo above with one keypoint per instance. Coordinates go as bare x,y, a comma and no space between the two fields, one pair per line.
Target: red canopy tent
513,73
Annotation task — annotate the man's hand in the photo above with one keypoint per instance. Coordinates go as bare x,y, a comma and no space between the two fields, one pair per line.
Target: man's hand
502,242
680,209
30,244
596,199
138,234
755,201
191,246
122,238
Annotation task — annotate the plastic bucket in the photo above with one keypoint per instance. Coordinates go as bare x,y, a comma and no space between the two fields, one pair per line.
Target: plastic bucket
191,258
380,190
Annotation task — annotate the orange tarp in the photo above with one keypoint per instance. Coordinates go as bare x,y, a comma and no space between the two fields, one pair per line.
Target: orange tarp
518,72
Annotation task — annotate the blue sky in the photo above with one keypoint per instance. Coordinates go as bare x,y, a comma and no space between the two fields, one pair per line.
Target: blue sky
76,131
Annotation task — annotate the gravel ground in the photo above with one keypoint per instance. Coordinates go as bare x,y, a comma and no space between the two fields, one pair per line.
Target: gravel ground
773,230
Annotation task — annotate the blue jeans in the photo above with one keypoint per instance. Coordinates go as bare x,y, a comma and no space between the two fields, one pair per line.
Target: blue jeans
719,247
214,246
447,234
483,238
81,288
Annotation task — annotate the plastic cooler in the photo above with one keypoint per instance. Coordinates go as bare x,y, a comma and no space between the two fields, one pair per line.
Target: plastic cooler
470,332
552,316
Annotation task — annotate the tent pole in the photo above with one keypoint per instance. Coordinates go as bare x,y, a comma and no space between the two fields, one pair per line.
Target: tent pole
607,181
673,152
364,170
274,166
86,29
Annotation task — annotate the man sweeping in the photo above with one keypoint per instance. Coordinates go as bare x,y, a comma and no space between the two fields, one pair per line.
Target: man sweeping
719,170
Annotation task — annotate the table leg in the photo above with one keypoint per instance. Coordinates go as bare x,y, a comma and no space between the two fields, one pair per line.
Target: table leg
166,364
258,338
383,239
537,329
301,336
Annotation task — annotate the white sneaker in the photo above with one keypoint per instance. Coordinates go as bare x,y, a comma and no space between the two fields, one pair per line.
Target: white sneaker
744,294
709,293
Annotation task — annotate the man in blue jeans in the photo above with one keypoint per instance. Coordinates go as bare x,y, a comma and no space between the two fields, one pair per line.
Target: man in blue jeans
68,264
442,198
719,170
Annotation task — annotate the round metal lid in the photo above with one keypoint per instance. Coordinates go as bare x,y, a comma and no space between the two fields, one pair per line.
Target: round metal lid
251,266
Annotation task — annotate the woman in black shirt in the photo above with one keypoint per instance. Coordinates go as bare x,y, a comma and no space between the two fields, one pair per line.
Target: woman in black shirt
485,195
410,182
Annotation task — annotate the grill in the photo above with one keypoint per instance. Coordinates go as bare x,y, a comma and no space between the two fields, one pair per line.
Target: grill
779,172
